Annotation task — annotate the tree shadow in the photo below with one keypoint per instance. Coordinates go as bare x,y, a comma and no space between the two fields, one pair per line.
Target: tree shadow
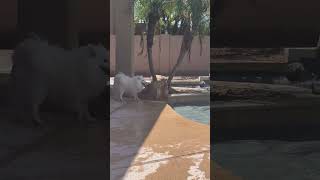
129,128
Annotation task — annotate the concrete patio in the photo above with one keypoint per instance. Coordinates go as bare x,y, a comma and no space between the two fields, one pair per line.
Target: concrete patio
149,140
62,150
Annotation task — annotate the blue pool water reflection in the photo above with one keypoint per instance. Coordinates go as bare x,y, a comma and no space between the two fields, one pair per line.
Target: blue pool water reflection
197,113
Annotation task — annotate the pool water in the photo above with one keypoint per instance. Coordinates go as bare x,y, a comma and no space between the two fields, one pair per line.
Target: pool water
270,159
197,113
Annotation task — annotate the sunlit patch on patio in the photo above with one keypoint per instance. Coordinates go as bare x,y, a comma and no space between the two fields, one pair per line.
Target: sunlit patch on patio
150,140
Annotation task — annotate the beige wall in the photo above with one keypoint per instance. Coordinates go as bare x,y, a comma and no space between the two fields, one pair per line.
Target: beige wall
165,59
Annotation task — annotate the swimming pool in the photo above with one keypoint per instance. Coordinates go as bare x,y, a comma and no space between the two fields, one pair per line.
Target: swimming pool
270,159
199,113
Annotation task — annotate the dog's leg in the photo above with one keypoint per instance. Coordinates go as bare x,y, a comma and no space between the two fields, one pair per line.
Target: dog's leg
35,115
137,99
87,115
79,115
38,95
82,113
121,95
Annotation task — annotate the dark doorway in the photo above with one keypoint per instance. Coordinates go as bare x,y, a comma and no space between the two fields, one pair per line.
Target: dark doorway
45,18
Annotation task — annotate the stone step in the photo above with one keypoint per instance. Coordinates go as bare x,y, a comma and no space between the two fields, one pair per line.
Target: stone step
295,54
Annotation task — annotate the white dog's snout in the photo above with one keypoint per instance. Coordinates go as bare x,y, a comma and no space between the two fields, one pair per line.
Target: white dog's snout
144,83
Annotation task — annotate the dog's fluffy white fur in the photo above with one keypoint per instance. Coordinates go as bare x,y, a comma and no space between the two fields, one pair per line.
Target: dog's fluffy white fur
130,86
64,77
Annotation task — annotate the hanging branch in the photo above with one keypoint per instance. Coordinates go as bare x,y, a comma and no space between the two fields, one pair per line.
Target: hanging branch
141,44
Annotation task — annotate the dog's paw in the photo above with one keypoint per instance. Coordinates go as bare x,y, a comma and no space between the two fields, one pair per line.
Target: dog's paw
125,101
137,100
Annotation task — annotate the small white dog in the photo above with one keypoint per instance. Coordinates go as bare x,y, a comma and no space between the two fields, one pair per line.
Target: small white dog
130,86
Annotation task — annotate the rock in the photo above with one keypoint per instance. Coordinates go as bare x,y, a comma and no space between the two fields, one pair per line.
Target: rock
157,90
295,71
315,87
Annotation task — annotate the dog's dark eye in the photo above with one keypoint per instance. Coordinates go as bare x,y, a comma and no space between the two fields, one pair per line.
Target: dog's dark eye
105,60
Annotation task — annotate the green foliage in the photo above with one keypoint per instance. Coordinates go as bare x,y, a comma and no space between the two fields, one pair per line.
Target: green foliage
175,15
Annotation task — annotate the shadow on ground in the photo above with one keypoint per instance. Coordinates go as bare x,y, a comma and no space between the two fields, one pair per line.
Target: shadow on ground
126,136
62,149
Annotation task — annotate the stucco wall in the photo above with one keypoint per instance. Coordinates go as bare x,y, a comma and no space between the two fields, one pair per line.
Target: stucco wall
166,58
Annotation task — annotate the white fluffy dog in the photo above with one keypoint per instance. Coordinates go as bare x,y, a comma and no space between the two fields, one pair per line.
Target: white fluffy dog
65,78
130,86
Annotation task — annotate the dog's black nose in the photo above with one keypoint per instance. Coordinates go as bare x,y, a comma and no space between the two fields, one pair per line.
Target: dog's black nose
144,83
104,67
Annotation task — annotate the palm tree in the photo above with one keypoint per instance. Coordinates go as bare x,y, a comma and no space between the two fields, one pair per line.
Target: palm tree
193,16
150,12
184,17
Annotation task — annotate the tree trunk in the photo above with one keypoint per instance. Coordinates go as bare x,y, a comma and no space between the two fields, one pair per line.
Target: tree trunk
185,47
153,19
150,59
